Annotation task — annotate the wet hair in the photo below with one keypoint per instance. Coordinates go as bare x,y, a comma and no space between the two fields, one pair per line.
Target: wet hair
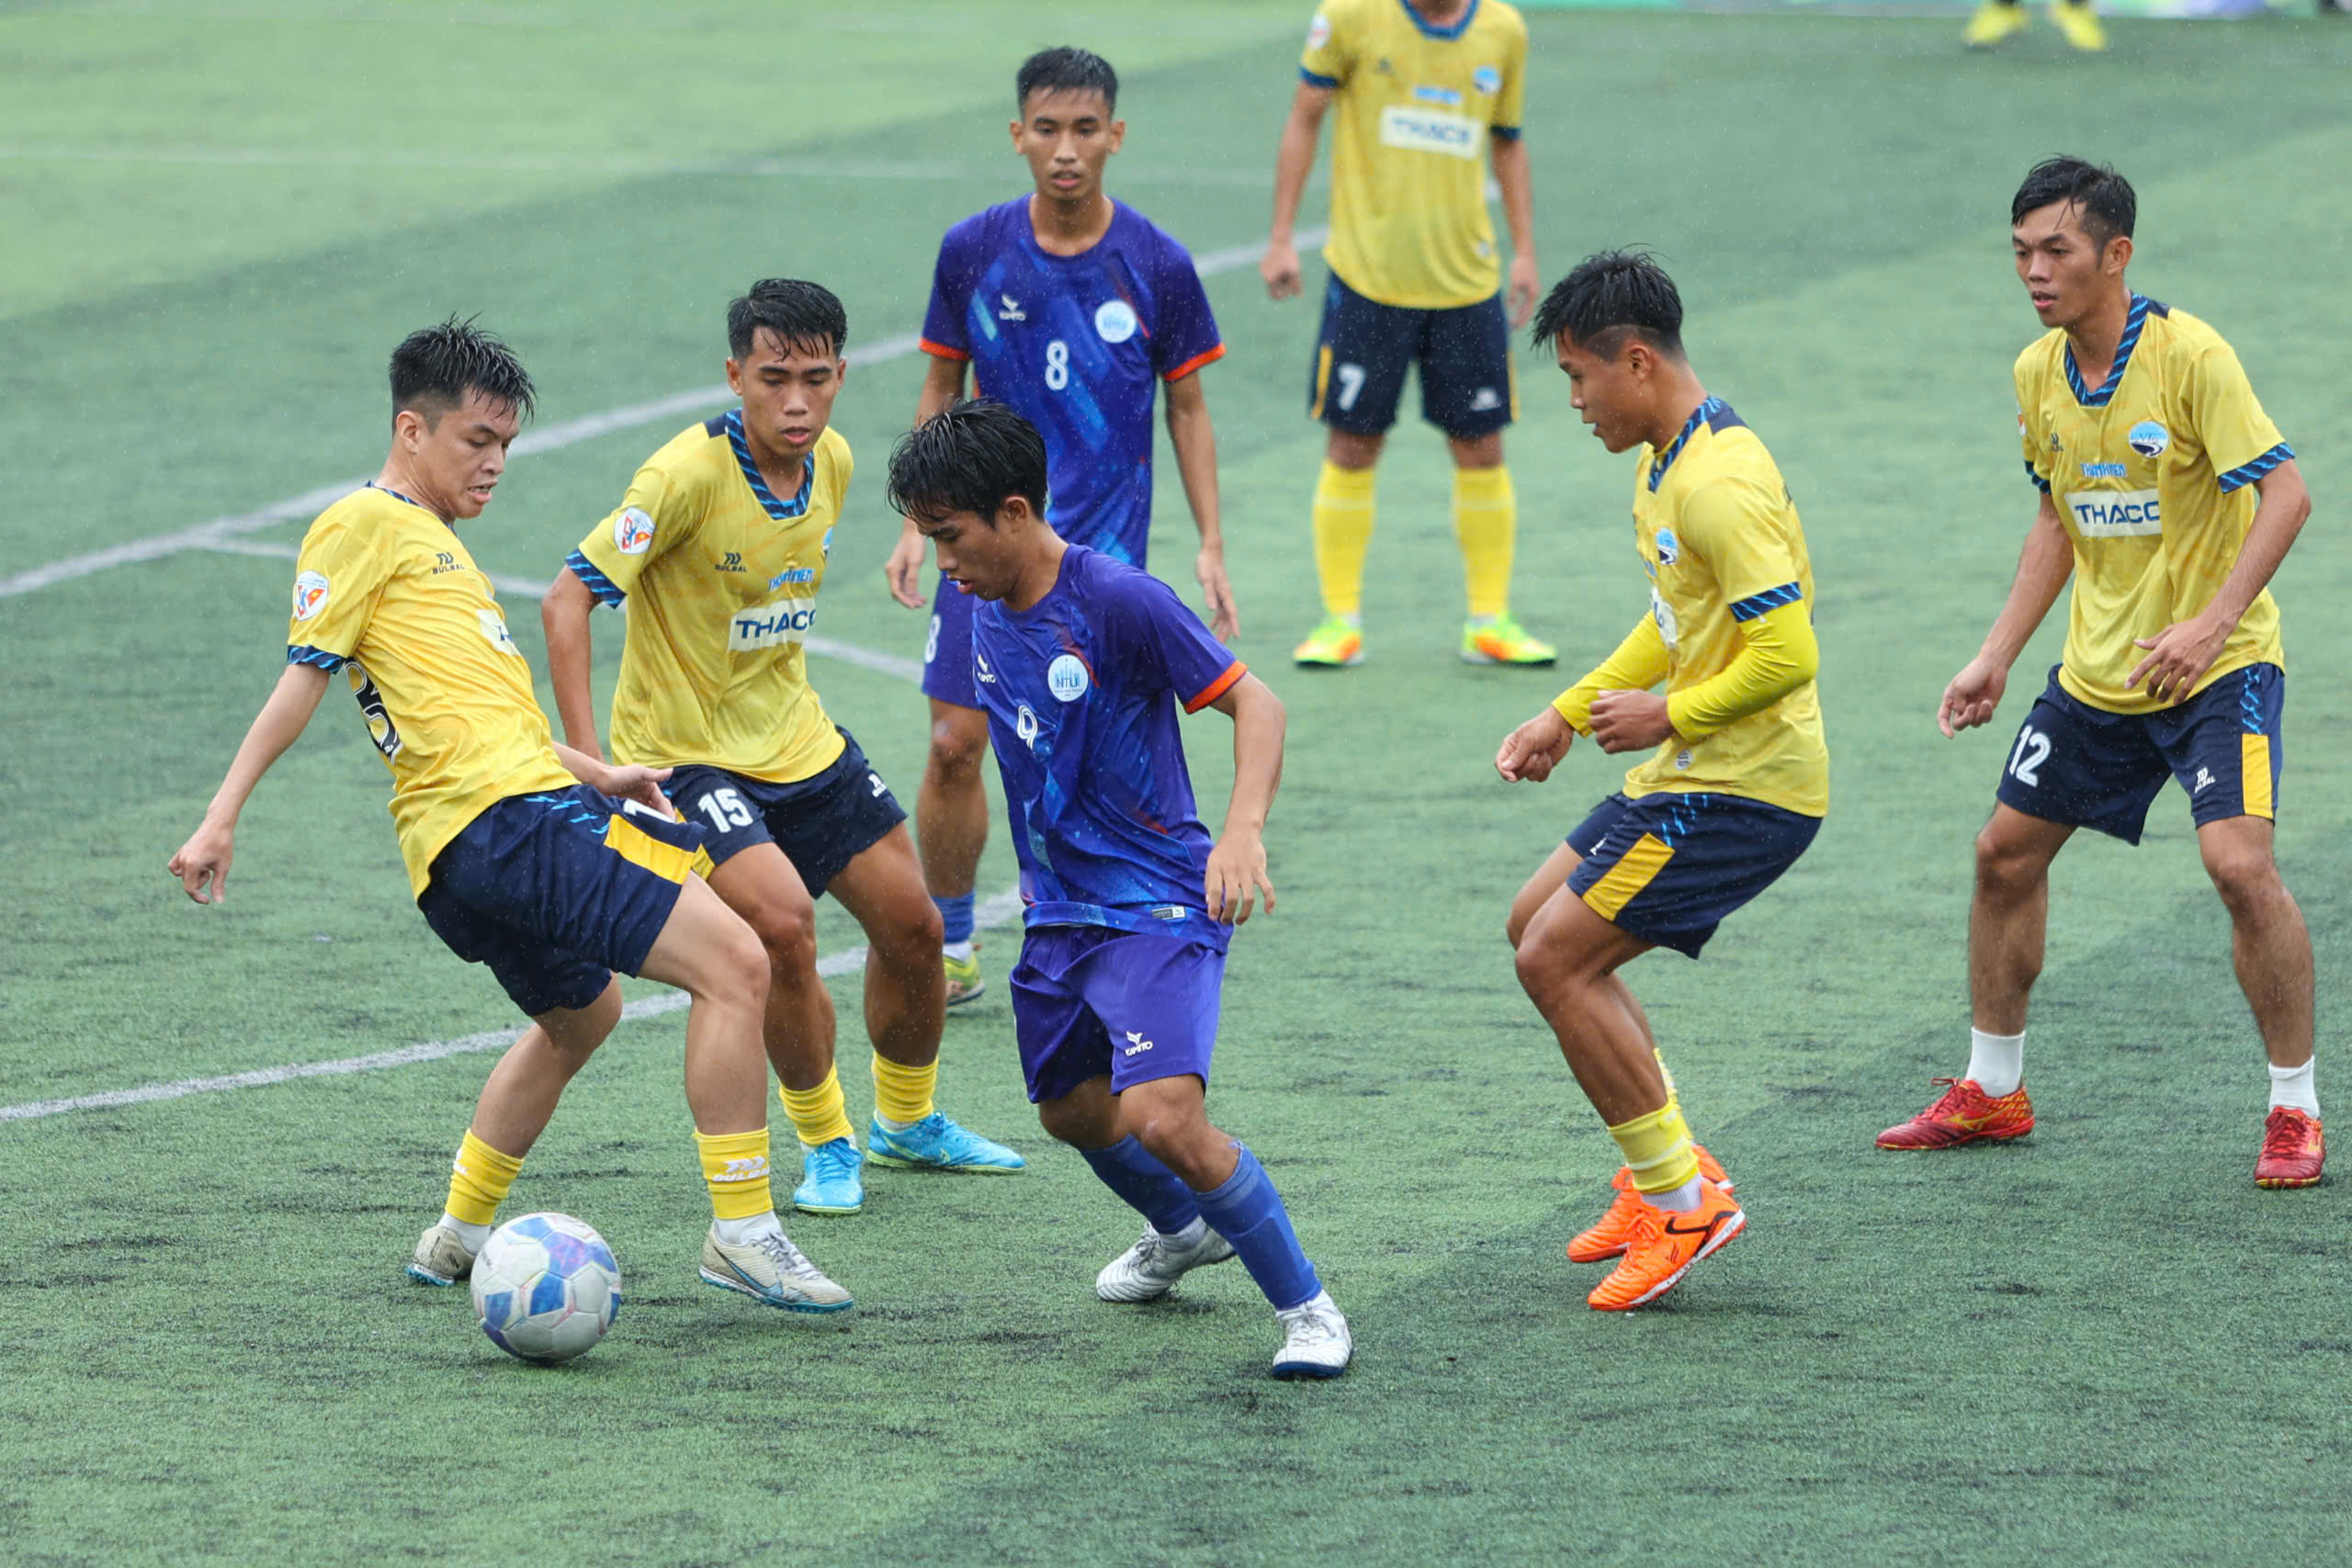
2102,198
434,367
1608,298
803,315
1065,71
970,457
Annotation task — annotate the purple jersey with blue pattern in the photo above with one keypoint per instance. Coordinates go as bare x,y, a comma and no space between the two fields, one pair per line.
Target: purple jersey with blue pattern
1081,691
1077,345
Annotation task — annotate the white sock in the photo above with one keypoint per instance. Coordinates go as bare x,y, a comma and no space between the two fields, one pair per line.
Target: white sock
1683,1200
890,1126
473,1235
2292,1085
961,952
1189,1235
742,1233
1996,1062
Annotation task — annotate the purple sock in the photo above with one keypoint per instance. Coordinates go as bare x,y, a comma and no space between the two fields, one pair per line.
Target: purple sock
1248,1212
1148,1187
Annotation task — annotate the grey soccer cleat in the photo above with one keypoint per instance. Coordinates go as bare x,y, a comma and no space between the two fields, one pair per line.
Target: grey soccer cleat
771,1271
442,1257
1149,1269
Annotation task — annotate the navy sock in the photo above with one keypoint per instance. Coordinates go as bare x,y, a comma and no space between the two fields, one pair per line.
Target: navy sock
1248,1212
1148,1187
955,917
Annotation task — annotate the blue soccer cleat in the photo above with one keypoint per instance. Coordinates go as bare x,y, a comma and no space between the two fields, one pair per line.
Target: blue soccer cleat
829,1180
936,1143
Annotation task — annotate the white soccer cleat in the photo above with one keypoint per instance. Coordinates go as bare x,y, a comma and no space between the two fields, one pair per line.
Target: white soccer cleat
442,1257
770,1270
1149,1269
1316,1341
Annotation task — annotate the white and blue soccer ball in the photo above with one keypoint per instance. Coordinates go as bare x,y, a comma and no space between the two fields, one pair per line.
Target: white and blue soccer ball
546,1288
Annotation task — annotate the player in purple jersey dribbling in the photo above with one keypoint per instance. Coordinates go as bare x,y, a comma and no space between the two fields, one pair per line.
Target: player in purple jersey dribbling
1080,663
1071,309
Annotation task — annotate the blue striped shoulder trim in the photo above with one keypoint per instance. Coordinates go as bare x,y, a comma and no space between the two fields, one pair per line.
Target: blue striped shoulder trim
1756,604
302,653
2035,475
583,568
1503,132
1314,79
2246,473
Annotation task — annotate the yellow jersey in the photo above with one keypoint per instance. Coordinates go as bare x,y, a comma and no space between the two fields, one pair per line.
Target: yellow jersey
1720,539
384,593
720,577
2153,473
1415,105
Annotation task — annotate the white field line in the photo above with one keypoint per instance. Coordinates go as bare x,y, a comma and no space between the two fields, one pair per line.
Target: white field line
991,913
553,438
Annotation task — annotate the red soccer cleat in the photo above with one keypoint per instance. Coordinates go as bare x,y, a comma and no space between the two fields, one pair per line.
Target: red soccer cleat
2292,1149
1964,1115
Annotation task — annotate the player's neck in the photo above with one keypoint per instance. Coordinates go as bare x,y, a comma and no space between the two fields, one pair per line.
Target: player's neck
1038,573
1069,228
1440,12
2100,332
1680,395
396,480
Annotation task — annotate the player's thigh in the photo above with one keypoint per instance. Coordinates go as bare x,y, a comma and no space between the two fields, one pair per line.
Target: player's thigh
1550,878
1084,1115
2016,850
1675,865
2226,745
577,1032
708,950
1062,1042
760,884
824,822
947,647
1567,941
2083,767
1468,389
883,889
542,979
2241,857
1360,355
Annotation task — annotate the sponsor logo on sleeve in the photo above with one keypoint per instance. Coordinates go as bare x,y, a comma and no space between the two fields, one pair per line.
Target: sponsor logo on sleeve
773,625
1066,678
632,531
309,594
2149,439
1115,320
1487,80
1430,130
2115,513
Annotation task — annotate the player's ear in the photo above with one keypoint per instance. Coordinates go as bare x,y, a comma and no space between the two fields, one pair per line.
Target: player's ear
2117,257
734,376
1118,133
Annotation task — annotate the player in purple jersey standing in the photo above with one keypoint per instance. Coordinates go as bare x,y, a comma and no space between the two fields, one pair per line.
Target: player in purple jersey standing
1069,308
1080,663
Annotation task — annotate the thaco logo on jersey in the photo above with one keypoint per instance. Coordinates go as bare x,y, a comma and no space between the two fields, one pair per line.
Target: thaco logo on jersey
2149,439
1429,131
632,531
2116,513
1066,678
309,594
1115,320
772,624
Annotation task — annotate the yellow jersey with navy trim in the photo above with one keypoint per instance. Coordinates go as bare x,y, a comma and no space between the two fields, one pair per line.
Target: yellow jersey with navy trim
720,577
1415,105
384,593
2153,473
1719,539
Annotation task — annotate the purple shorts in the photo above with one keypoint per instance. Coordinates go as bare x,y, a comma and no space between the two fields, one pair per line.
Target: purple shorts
1090,1002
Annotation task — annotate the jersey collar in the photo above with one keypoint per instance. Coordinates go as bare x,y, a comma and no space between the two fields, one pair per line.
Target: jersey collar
2132,323
782,511
396,495
1457,30
1699,416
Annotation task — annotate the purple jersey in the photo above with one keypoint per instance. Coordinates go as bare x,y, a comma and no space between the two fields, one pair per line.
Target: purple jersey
1081,691
1074,344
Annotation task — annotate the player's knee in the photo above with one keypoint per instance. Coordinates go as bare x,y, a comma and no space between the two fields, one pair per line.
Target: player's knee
2246,878
2003,865
1172,1134
787,933
736,964
956,753
1063,1122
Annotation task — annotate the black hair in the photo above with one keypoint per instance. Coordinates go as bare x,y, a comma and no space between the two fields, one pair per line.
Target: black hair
1608,297
970,457
802,315
2100,196
434,367
1065,71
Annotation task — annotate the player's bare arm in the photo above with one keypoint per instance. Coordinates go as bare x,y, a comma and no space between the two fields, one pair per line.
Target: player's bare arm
1529,754
202,863
2043,566
1189,432
1294,160
942,385
1237,868
622,781
2180,654
1523,283
564,615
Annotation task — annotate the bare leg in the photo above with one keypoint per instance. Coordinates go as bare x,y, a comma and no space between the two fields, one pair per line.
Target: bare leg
521,1095
1550,878
952,804
2268,942
2009,915
1347,450
706,950
906,993
1567,959
760,884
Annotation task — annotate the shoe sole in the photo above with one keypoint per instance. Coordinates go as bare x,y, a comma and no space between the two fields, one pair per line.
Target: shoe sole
821,1209
2282,1183
966,998
1956,1142
1293,1371
892,1162
1489,659
723,1282
1329,664
424,1276
1716,1243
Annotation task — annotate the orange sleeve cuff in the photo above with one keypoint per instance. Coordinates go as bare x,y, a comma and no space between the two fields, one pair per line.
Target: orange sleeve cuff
1207,357
941,351
1218,687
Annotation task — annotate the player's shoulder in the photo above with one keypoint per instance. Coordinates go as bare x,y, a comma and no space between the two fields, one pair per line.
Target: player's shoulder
1138,229
1108,584
1501,18
2040,358
2179,335
985,229
833,457
699,448
367,517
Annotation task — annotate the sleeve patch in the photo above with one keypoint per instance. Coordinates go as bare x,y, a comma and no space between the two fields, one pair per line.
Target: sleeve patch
2246,473
1771,599
602,587
633,531
310,589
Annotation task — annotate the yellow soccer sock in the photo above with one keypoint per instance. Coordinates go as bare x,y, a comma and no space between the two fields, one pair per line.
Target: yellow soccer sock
1486,523
902,1094
816,1115
1342,533
735,1168
1657,1149
479,1179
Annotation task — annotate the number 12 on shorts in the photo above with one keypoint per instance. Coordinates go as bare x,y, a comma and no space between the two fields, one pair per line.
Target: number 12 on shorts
2025,762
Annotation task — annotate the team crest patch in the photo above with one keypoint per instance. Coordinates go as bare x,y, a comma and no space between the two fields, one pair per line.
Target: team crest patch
1318,31
632,531
1115,320
2149,439
1487,80
1667,549
1066,678
309,594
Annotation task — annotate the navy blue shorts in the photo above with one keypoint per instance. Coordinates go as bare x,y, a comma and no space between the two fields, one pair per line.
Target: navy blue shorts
947,651
2089,768
1088,1000
822,823
1668,867
1364,347
555,891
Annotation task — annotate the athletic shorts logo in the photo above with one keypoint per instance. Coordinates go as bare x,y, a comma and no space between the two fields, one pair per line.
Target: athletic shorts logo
1429,131
1487,80
632,531
1066,678
1668,550
2149,439
1025,725
309,594
2116,513
494,627
1115,320
1136,1044
1485,399
773,625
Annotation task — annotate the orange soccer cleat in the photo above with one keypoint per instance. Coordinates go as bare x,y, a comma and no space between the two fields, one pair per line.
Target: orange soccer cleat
1663,1247
2292,1149
1964,1115
1610,1232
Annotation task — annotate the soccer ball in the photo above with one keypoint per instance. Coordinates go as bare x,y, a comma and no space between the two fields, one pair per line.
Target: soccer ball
546,1288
